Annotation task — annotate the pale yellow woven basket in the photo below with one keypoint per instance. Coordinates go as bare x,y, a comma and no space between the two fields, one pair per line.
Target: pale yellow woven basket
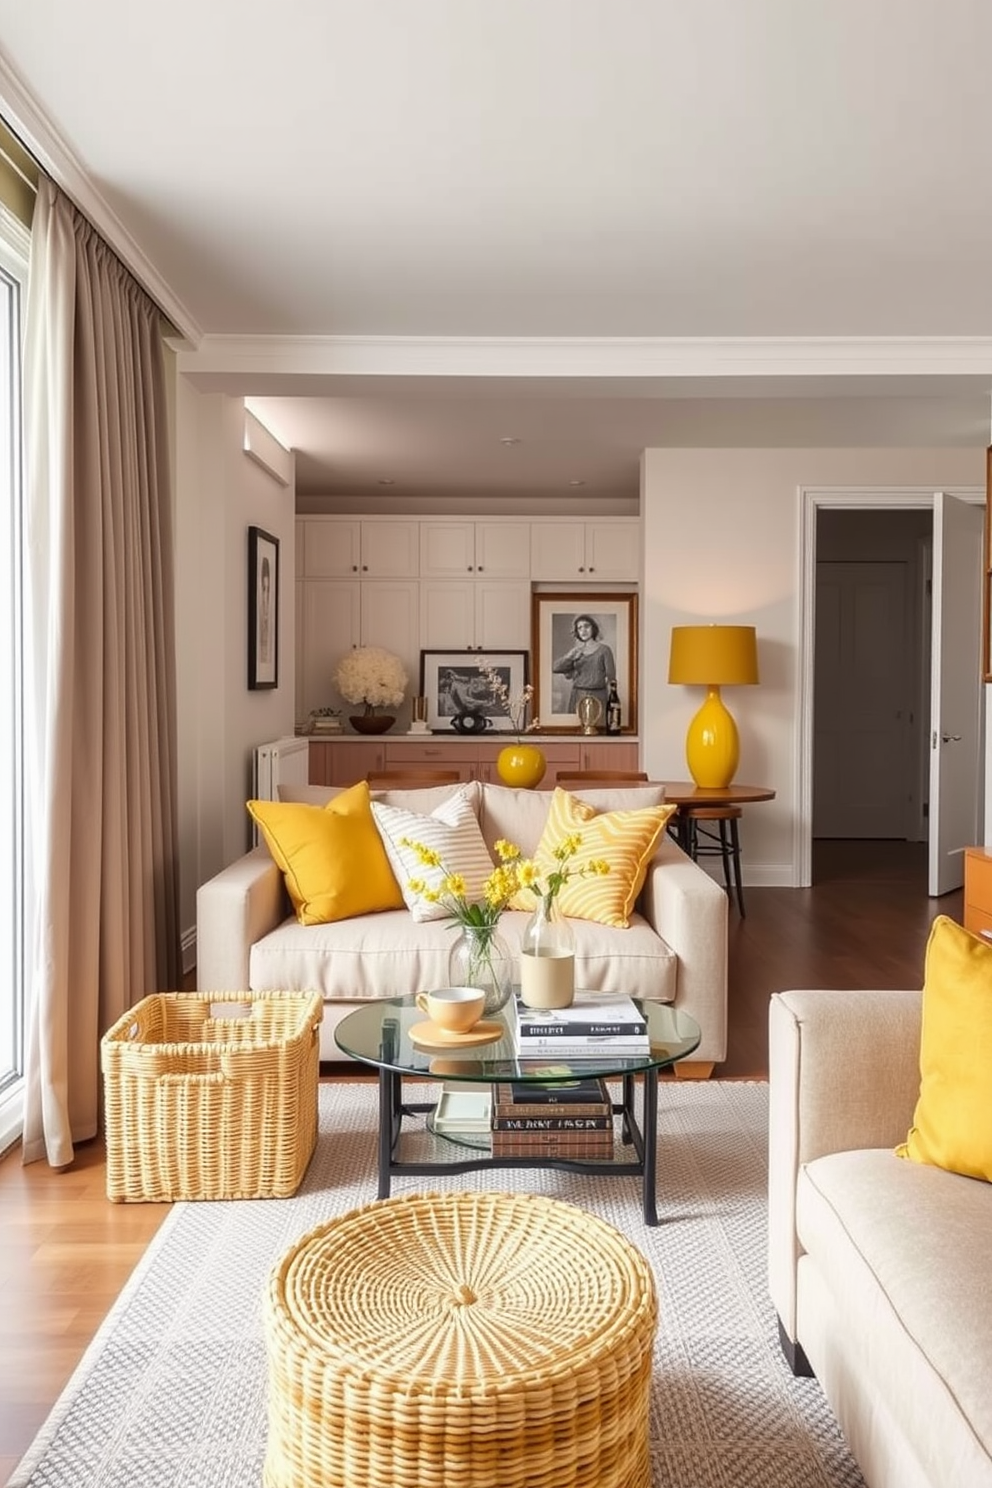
211,1095
466,1340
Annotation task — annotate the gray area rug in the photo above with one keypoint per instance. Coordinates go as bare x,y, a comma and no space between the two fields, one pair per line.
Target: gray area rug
172,1392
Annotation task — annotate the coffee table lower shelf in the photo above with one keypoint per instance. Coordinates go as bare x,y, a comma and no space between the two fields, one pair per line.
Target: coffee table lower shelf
641,1135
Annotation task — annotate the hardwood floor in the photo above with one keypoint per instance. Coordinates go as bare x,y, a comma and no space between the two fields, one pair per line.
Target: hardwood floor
67,1251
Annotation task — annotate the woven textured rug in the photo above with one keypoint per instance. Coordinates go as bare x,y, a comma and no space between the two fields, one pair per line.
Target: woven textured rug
172,1391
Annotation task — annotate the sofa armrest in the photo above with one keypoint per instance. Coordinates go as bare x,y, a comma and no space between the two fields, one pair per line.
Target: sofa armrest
240,904
689,911
843,1074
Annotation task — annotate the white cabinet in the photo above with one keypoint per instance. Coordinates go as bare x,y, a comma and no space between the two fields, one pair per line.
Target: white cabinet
475,615
339,547
339,616
495,550
602,550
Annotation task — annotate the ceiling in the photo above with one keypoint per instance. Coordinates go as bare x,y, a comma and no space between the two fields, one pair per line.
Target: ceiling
579,169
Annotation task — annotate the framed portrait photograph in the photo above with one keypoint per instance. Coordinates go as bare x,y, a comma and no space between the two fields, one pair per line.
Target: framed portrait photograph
580,642
263,609
458,694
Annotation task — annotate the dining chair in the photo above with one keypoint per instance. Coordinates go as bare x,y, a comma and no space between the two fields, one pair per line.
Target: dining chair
590,777
411,779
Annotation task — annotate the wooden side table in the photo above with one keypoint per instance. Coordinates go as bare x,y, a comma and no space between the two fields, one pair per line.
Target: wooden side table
978,890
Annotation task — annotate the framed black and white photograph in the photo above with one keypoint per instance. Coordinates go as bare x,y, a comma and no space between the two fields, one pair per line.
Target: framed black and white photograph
459,696
580,643
263,609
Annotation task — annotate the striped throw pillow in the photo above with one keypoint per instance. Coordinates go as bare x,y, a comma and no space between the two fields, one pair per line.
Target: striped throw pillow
624,839
453,831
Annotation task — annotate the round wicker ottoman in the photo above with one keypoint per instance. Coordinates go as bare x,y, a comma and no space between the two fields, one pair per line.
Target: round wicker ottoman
460,1341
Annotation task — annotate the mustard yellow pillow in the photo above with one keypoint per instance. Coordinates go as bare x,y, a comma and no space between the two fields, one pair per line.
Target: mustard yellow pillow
332,857
624,839
952,1125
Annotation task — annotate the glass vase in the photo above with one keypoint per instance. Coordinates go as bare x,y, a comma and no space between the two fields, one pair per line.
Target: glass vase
547,958
480,957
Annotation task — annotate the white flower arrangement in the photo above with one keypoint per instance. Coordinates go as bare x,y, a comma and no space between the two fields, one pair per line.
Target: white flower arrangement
371,676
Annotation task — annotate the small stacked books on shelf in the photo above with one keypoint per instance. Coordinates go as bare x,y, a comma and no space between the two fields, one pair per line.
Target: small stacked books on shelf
561,1120
593,1024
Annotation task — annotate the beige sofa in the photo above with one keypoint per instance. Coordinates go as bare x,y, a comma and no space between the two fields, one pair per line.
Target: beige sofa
675,950
878,1267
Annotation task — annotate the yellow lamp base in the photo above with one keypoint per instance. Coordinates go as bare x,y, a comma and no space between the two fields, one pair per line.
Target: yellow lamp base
712,745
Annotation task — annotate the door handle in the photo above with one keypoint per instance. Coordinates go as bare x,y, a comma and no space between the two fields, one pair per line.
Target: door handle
950,738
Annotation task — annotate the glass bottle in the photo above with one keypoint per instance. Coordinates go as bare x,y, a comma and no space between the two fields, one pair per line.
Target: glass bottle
547,957
480,957
613,713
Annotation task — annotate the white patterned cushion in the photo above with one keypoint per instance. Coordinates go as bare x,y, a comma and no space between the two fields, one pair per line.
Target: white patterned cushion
452,830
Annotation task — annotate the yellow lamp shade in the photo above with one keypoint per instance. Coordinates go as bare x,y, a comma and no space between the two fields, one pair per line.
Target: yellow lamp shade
713,656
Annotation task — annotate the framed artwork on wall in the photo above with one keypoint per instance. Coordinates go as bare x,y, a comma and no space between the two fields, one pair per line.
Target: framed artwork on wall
263,609
458,694
581,642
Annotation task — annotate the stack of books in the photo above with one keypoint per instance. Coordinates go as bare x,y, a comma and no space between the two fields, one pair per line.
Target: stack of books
591,1025
568,1120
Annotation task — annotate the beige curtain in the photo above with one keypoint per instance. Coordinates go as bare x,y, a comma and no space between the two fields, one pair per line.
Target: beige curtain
100,674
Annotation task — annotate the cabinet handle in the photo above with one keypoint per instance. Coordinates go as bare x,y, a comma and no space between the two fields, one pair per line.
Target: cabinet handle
365,568
592,568
479,568
581,569
354,568
469,568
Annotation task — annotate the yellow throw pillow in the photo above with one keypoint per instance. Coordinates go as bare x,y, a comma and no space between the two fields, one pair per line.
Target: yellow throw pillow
952,1125
332,857
624,839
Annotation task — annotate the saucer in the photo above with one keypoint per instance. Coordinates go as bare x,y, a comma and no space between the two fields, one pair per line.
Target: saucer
431,1036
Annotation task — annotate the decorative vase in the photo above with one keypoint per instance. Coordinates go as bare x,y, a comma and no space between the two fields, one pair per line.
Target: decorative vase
371,722
521,765
547,958
480,957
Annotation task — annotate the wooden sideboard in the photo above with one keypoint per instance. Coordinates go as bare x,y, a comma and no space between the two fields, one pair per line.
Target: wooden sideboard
343,761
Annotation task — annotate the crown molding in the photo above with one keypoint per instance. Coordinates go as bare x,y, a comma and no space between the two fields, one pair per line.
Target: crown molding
565,356
41,137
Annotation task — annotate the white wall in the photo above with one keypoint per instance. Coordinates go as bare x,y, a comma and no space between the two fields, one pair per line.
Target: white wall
721,543
220,492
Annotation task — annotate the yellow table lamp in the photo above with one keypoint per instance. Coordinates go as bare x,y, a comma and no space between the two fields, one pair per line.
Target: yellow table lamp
713,656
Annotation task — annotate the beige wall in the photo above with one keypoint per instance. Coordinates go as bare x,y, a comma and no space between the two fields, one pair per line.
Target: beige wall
721,543
220,492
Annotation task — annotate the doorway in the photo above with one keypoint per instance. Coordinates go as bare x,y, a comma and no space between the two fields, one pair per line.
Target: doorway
872,545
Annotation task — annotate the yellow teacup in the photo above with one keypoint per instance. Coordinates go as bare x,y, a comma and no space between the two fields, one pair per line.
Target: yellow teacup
456,1009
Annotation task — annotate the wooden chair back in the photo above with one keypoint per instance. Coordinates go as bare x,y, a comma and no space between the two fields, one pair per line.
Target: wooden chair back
607,777
411,779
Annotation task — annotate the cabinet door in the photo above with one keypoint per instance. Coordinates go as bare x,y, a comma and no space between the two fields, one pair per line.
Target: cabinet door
447,549
613,550
331,548
502,550
390,619
557,550
502,616
600,755
331,626
390,550
447,615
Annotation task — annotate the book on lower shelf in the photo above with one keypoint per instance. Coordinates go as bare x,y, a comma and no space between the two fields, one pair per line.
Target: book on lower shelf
576,1145
585,1097
557,1122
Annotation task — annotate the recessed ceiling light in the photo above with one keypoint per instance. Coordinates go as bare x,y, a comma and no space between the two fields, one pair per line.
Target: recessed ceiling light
385,481
510,439
576,483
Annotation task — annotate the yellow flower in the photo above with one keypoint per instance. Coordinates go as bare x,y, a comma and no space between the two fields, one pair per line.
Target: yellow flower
527,873
454,885
508,851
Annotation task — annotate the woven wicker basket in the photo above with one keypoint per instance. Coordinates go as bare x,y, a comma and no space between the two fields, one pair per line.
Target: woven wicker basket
461,1340
211,1095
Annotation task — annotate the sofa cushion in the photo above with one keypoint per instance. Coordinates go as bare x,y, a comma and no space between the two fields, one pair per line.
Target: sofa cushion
331,857
386,955
898,1245
625,840
452,832
952,1124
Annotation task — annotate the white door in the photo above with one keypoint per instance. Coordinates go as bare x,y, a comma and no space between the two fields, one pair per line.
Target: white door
955,688
862,700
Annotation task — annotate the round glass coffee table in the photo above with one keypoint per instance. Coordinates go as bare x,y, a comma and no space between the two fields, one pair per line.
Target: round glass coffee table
378,1034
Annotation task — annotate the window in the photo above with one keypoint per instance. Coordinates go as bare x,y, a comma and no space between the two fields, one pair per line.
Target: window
14,244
